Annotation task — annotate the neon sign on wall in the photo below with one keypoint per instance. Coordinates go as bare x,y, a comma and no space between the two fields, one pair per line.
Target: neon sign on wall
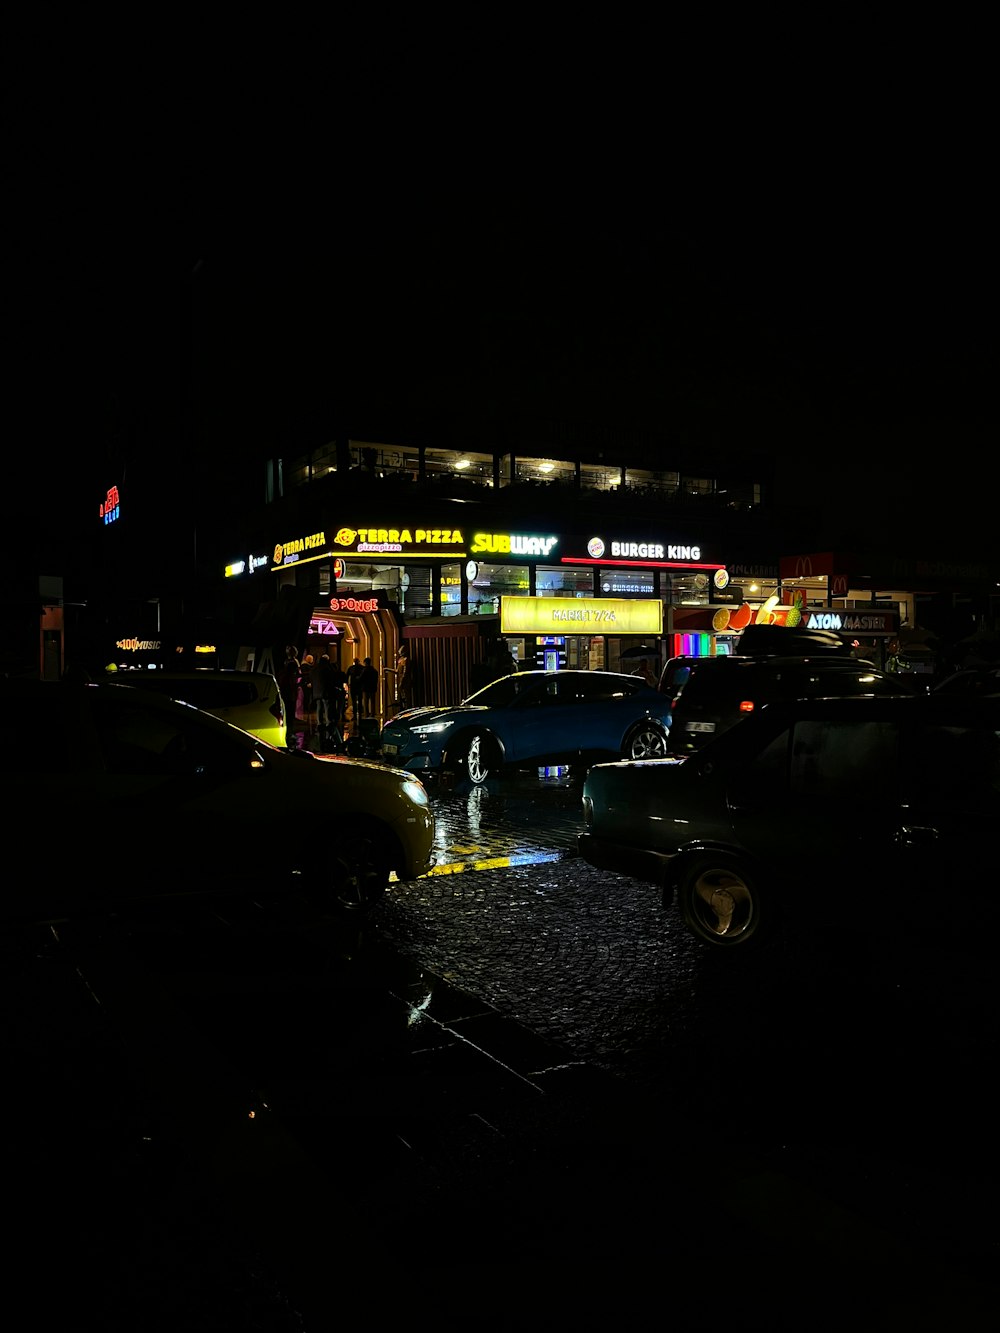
111,508
396,541
353,603
323,625
296,550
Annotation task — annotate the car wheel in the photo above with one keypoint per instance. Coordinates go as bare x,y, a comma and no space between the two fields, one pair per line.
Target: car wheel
646,741
720,902
479,758
360,871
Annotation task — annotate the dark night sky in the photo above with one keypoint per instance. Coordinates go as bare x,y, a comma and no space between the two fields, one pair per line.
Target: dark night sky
823,291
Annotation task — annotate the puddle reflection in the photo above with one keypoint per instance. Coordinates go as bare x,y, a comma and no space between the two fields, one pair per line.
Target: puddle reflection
524,820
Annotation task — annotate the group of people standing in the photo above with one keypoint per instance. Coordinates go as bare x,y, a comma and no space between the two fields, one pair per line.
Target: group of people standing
320,688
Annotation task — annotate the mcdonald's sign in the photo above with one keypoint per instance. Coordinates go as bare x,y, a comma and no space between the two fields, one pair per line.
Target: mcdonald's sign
813,565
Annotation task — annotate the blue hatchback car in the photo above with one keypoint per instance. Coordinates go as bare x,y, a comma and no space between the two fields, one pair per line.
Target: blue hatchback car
529,719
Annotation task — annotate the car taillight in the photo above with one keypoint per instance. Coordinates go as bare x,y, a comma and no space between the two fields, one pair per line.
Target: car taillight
746,706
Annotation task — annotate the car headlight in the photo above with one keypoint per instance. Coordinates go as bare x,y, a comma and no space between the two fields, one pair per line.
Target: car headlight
428,728
417,792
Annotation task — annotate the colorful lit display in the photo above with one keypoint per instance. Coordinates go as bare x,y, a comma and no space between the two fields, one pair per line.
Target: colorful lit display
299,550
591,615
110,510
402,541
510,543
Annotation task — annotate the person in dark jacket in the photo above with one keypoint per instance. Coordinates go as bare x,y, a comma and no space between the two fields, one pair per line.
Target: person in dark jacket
369,688
289,678
354,674
338,694
324,692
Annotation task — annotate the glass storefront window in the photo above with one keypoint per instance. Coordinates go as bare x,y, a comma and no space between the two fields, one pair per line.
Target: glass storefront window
418,600
462,465
563,581
687,589
544,471
627,582
451,590
493,581
652,483
600,478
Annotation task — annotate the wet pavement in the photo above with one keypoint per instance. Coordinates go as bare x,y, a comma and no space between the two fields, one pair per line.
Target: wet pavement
246,1122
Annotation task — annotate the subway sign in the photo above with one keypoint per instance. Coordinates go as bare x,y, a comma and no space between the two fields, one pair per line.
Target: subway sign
580,615
510,543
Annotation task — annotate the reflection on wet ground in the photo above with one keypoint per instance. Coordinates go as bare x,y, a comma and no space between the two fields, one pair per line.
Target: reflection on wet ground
525,819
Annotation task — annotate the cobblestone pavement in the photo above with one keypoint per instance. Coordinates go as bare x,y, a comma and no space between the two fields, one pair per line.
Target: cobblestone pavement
522,1068
863,1074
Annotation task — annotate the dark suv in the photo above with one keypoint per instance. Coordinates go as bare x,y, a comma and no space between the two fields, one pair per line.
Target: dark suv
870,814
711,694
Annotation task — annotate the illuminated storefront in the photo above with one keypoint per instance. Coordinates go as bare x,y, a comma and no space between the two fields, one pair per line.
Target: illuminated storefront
377,586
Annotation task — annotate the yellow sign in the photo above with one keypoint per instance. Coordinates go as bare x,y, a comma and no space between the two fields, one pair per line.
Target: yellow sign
507,543
376,541
580,615
294,551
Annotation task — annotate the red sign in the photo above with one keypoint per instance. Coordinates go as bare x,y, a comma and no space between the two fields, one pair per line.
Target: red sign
111,508
806,566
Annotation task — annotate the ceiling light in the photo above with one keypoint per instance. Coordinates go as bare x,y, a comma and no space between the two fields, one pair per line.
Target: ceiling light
462,463
546,467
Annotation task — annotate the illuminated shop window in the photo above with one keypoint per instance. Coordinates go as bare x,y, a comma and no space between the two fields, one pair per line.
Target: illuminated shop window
544,471
459,465
618,582
451,589
649,482
493,581
556,581
599,477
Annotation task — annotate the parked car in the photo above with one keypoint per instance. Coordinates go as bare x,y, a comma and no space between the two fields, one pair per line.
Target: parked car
875,813
532,718
972,681
128,797
248,699
711,694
